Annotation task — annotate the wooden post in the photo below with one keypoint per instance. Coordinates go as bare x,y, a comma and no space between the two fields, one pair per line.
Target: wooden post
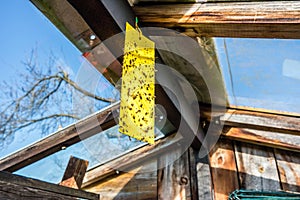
223,169
74,173
173,179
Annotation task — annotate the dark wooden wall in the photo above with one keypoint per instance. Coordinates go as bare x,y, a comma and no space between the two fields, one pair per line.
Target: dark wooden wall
230,165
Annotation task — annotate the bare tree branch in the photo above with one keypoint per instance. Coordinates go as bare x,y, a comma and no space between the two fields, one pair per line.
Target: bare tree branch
41,99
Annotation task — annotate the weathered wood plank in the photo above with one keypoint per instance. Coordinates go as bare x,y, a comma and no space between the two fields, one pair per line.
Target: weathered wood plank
107,18
10,191
262,121
173,176
269,19
134,184
254,119
279,130
264,138
223,169
18,187
134,158
201,183
65,137
289,170
74,173
60,13
257,167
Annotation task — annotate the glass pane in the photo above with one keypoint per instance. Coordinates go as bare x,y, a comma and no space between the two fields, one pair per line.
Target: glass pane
45,80
261,73
97,149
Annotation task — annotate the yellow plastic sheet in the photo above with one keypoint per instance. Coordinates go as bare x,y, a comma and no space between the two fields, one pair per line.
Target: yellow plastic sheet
137,92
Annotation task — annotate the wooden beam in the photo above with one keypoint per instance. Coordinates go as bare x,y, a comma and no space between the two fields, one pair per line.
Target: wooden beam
201,181
131,159
223,169
278,130
18,187
173,178
264,138
63,138
106,18
251,119
74,173
269,19
262,121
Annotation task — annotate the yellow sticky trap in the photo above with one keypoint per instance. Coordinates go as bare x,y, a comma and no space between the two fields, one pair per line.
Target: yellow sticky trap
137,92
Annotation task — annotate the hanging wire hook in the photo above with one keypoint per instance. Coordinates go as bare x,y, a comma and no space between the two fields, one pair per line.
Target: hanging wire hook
137,27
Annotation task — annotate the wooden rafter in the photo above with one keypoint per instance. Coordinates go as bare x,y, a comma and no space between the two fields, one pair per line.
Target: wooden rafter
282,123
269,19
269,139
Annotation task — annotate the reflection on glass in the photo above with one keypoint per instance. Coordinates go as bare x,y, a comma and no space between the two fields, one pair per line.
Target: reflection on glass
261,73
97,149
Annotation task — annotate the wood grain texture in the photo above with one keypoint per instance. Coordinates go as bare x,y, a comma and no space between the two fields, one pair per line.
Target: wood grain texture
134,184
262,121
253,119
74,173
223,169
269,19
63,138
173,177
264,138
257,167
60,13
18,187
201,183
289,170
10,191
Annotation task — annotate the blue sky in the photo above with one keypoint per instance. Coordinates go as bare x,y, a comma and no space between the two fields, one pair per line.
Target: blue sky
26,28
261,73
23,28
